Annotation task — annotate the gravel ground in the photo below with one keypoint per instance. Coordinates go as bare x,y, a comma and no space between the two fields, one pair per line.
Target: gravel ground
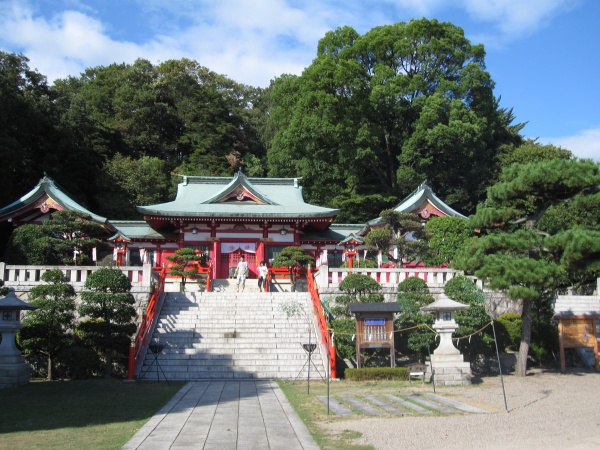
546,410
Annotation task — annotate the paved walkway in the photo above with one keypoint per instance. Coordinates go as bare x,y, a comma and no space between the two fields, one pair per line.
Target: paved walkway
225,415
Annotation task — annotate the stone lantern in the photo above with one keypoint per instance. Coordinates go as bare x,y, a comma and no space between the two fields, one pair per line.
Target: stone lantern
14,370
448,363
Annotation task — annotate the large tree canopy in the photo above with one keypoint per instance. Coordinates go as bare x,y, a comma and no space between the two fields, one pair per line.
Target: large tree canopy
382,112
520,256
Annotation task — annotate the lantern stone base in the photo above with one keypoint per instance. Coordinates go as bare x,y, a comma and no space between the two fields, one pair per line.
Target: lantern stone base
14,375
450,370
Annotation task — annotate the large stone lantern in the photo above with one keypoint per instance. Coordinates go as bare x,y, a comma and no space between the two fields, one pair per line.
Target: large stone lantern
448,363
14,370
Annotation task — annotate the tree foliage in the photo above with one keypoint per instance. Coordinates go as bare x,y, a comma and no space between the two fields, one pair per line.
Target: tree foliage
382,112
446,236
48,329
362,288
107,306
413,294
68,238
183,264
471,321
409,237
293,258
517,256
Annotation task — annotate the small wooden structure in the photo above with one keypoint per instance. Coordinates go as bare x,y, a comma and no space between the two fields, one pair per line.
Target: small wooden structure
374,327
577,331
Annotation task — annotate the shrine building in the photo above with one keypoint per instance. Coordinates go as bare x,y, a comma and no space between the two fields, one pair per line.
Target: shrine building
222,218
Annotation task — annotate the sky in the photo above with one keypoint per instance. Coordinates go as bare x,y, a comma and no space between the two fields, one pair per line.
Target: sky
544,55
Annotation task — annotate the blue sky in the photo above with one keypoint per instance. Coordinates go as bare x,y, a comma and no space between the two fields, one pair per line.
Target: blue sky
544,55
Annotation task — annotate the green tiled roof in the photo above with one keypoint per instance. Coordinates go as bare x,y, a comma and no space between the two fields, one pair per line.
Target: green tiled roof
138,229
416,199
47,186
204,197
336,232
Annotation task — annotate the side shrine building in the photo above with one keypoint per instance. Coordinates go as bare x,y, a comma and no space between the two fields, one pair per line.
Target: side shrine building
221,218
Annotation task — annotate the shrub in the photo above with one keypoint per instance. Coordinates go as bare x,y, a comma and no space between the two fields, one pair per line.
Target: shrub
344,329
463,290
377,373
508,331
413,294
78,363
362,264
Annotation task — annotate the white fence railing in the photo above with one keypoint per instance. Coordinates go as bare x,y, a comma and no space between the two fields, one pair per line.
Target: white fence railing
332,277
15,275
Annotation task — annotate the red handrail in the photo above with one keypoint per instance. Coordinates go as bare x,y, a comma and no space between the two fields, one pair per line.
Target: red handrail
322,323
144,329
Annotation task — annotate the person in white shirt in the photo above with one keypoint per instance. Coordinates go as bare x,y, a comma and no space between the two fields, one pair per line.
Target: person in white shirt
240,272
263,273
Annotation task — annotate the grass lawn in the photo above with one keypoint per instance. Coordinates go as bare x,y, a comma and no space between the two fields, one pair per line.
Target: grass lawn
313,412
90,414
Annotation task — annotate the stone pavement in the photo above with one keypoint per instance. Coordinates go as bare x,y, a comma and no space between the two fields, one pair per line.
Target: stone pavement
225,415
399,405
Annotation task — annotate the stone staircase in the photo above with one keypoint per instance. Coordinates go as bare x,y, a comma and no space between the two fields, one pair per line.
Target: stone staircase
231,335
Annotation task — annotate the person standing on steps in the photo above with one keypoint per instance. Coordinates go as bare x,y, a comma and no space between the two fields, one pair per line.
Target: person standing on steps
240,272
263,273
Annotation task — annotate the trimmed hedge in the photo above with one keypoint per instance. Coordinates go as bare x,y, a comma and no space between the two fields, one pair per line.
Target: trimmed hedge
377,373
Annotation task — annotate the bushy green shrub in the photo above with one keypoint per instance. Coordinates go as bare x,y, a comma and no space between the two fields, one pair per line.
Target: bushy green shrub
362,264
79,363
508,331
377,373
413,294
470,321
344,329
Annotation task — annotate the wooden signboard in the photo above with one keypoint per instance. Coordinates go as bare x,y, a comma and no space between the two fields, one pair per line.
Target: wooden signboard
374,327
577,332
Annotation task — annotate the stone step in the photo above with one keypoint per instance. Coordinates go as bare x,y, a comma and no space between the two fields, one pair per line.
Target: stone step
230,335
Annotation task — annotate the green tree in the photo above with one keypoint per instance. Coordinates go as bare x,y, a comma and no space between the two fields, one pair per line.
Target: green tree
356,288
107,305
470,321
515,255
47,330
413,294
531,151
183,265
68,238
446,236
382,112
362,288
126,183
379,239
409,236
28,134
293,258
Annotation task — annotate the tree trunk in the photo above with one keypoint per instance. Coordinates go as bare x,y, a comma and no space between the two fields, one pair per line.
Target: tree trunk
49,368
521,367
108,372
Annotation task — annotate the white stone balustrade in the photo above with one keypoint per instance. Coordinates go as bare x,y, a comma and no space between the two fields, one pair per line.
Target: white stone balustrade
24,278
332,277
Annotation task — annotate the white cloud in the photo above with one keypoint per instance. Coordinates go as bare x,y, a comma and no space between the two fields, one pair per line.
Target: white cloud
250,41
509,19
585,144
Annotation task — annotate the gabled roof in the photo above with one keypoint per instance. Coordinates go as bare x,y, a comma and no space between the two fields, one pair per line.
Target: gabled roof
43,197
352,237
238,197
139,230
334,234
424,202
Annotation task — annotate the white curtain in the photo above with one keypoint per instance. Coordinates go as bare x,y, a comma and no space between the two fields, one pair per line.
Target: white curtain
230,247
